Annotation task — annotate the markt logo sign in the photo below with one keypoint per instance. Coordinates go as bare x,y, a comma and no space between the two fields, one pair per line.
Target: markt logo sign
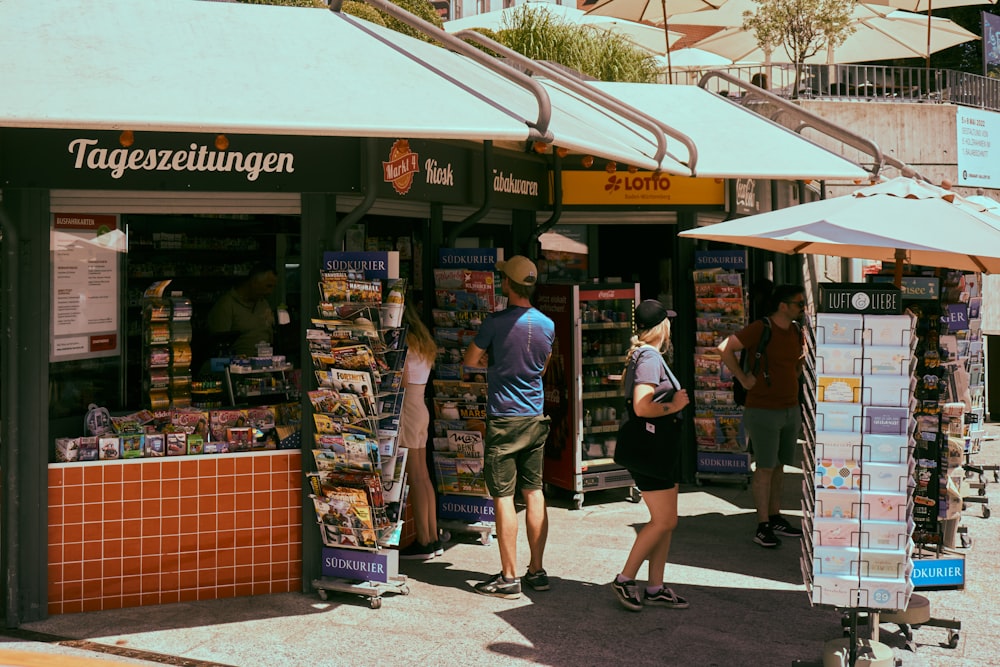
402,165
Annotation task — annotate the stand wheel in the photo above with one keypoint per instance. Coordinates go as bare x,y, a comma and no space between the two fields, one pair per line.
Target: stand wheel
634,494
953,638
986,512
322,594
486,539
578,501
404,590
966,541
375,602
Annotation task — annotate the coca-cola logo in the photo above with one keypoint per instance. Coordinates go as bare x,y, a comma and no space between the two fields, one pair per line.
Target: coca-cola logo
746,194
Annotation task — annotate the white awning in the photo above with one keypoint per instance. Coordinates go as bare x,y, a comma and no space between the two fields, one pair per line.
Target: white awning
731,141
188,65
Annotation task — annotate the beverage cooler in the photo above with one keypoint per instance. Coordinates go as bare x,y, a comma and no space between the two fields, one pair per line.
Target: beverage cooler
583,391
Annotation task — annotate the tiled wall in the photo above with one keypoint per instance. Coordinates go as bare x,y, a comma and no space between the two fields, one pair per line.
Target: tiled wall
151,531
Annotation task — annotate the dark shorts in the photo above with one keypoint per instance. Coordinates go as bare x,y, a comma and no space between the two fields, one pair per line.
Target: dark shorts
774,435
646,483
515,454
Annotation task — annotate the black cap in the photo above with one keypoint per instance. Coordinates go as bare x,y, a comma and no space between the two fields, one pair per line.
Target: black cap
651,312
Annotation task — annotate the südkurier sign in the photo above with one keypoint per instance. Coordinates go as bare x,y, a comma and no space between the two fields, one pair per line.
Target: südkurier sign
938,572
381,566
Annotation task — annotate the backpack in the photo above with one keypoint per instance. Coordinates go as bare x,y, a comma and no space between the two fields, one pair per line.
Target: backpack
751,364
739,391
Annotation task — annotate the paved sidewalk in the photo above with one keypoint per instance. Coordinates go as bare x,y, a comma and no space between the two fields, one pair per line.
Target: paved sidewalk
748,605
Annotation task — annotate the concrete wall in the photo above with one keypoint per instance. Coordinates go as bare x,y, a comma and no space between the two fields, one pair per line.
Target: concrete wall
922,135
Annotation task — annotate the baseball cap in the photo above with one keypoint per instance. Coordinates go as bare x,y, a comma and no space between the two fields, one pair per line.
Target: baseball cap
651,312
519,269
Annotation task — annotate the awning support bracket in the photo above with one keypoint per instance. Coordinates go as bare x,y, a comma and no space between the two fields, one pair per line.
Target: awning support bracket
803,119
557,209
540,125
658,128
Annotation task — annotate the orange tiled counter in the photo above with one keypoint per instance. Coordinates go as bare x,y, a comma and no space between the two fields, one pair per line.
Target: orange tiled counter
151,531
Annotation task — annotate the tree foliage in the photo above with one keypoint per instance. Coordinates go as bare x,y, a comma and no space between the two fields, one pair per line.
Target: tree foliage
802,27
604,55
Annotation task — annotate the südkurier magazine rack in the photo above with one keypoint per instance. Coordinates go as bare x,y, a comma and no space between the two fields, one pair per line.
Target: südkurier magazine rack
358,347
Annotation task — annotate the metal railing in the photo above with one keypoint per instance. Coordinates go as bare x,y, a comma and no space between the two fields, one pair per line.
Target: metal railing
861,83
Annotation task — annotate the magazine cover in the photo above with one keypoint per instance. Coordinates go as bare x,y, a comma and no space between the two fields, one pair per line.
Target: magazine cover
345,519
155,445
176,444
467,444
359,383
466,392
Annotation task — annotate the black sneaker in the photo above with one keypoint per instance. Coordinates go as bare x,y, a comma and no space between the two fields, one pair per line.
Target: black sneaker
780,526
665,597
628,594
499,587
765,536
539,580
417,551
438,548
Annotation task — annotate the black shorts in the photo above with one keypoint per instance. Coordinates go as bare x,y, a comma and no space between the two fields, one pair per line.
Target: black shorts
647,483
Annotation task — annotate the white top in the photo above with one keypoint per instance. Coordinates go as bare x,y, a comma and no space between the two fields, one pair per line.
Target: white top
416,369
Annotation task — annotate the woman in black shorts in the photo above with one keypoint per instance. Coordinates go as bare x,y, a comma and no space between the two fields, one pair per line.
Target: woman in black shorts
658,479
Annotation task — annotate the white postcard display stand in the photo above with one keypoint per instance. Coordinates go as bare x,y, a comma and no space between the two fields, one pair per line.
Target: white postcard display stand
357,345
858,500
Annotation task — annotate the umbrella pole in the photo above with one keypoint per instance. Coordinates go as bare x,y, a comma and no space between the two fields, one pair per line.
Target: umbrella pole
897,275
927,62
666,37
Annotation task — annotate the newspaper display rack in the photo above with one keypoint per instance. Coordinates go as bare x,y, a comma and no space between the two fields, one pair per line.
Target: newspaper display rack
720,310
357,345
466,290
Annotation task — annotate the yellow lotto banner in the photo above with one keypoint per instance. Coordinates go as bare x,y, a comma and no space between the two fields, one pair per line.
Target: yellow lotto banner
600,188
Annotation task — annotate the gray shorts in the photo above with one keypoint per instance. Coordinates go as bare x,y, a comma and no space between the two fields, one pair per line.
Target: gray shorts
515,454
773,434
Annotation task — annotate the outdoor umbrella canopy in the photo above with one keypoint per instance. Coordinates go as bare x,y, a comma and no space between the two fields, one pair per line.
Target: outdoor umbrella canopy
651,11
930,225
929,6
881,33
646,37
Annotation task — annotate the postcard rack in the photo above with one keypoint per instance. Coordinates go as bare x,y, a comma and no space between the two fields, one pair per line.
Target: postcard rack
357,345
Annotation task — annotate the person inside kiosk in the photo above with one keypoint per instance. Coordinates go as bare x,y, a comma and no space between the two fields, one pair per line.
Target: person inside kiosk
243,317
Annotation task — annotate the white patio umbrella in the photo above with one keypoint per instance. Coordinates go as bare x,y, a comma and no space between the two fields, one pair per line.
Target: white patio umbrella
900,219
652,11
929,6
646,37
881,33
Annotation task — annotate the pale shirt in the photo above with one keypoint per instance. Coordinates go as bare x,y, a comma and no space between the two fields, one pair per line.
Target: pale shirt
416,369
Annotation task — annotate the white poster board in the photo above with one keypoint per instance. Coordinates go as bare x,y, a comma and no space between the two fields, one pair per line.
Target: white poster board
85,286
978,163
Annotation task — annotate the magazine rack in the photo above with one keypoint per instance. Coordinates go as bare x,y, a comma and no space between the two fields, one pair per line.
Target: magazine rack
358,348
463,297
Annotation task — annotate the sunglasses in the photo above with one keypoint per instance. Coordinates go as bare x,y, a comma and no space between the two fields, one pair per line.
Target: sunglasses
800,304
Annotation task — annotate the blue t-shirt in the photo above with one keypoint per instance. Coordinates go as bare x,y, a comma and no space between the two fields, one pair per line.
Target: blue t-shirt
518,341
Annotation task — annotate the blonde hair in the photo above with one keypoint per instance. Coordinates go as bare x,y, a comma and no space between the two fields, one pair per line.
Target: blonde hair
657,336
418,338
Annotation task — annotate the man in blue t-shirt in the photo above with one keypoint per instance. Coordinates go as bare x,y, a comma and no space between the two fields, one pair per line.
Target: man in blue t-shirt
517,342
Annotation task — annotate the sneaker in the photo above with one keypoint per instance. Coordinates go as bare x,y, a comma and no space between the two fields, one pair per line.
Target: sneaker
780,526
499,587
628,594
665,597
438,548
765,536
538,581
417,551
